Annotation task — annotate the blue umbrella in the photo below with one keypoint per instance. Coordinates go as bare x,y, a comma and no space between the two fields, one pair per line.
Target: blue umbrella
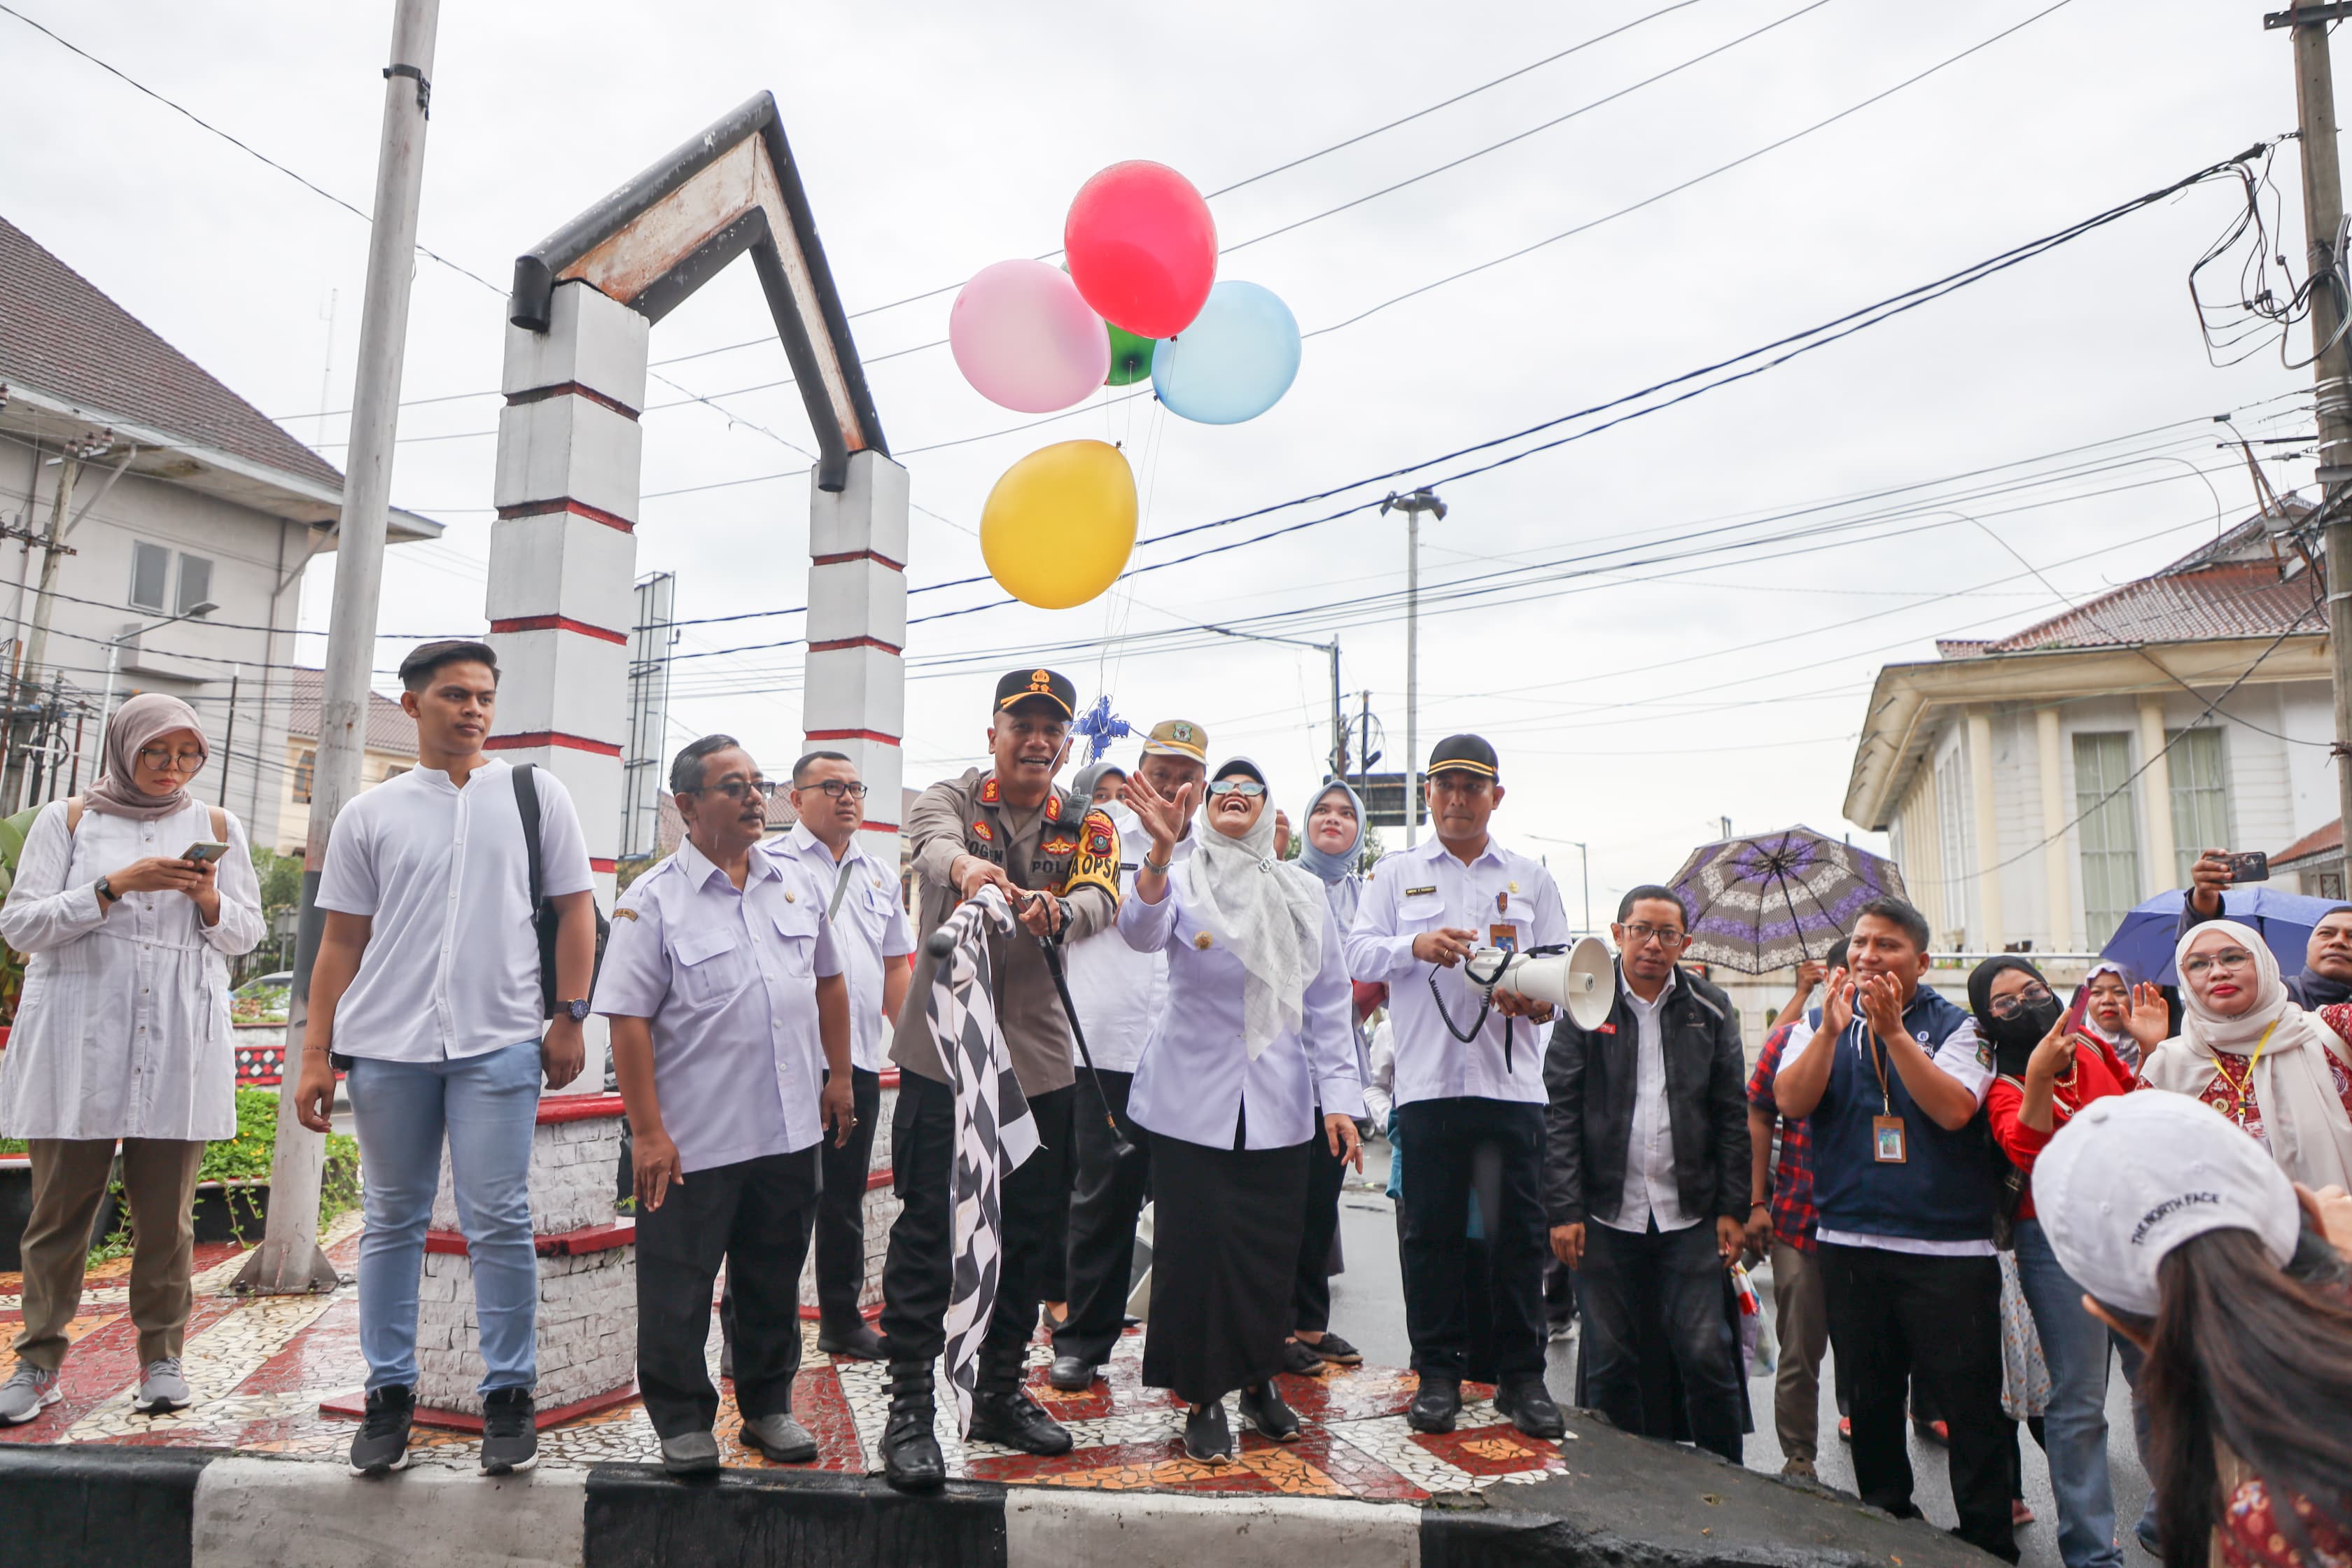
2144,941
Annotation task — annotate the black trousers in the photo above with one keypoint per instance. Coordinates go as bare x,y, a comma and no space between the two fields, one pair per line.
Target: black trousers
1442,1138
1105,1195
1663,1289
1936,1321
1310,1297
841,1211
755,1216
918,1271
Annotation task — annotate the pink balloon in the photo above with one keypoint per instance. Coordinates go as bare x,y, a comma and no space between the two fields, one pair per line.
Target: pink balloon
1142,248
1024,339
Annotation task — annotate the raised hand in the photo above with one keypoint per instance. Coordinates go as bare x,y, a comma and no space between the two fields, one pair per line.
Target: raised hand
1881,1004
1837,1002
2149,1021
1162,818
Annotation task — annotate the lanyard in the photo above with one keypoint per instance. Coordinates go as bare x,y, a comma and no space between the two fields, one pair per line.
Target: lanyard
1879,1064
2242,1088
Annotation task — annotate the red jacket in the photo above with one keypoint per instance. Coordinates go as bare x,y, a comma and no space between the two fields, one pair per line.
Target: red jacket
2097,1073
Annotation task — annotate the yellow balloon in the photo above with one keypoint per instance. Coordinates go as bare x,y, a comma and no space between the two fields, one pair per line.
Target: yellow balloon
1060,524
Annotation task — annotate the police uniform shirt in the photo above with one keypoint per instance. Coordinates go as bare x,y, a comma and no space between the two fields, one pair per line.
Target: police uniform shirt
728,980
869,927
1502,896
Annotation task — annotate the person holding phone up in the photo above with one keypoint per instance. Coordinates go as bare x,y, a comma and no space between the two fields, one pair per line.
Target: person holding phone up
2327,977
127,911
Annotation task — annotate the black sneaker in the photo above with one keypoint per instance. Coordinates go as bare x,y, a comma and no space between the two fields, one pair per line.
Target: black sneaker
1262,1408
510,1432
1207,1438
382,1445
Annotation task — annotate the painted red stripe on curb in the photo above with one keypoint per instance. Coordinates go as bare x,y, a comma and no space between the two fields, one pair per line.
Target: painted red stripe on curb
558,1108
550,737
559,624
558,504
556,1244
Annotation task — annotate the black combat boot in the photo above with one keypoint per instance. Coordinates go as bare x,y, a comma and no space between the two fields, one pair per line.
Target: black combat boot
912,1460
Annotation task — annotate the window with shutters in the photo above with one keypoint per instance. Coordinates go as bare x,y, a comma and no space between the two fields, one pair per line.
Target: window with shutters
1957,833
2108,831
2199,765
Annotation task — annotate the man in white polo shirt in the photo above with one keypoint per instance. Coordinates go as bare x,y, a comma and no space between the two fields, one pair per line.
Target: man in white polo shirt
730,1039
427,988
869,926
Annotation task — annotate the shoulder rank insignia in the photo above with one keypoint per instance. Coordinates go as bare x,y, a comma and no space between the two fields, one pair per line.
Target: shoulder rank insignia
1053,806
988,792
982,831
1096,862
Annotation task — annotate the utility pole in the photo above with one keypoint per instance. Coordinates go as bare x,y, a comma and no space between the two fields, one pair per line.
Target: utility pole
228,740
2323,218
289,1259
1422,500
1338,760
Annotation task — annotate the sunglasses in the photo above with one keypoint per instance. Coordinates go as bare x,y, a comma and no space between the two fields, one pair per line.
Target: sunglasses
1249,787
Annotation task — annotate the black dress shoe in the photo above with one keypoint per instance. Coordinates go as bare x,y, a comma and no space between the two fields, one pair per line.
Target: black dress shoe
860,1343
1014,1420
1301,1359
1071,1373
1262,1408
1528,1405
912,1460
1435,1406
1206,1436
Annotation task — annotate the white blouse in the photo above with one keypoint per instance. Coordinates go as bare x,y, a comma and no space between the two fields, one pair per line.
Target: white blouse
123,1029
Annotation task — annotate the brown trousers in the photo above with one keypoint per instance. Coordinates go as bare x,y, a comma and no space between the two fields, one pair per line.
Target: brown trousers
69,1174
1800,1317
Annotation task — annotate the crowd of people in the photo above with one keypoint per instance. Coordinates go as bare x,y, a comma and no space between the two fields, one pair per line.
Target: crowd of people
1971,1206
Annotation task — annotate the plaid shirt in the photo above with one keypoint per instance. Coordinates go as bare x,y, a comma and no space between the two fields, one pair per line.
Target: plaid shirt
1794,1212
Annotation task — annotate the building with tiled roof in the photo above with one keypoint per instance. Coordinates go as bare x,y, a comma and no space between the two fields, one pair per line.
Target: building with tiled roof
185,516
391,750
2036,786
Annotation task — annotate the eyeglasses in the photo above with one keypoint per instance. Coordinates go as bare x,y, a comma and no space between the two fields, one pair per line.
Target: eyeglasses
838,789
2204,963
2017,1002
735,789
180,761
1249,787
1640,933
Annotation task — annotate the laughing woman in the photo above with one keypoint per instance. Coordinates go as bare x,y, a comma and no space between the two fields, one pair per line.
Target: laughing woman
1255,1036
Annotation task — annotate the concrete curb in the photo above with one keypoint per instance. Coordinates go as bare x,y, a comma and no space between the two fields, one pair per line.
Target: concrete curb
301,1513
81,1508
1177,1530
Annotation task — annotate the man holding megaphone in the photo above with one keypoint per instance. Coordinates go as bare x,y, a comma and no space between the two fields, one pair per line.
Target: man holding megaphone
1469,1084
1646,1176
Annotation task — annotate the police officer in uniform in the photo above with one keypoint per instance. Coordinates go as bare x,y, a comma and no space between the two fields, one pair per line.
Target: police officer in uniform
1012,825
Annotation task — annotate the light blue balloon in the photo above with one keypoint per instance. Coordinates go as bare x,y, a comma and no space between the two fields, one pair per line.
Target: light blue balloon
1234,362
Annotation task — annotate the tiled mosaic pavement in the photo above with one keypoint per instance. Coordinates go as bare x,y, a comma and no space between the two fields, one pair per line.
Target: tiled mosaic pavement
259,1369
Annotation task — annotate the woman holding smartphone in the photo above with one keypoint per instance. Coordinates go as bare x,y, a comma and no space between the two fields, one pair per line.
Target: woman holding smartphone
129,902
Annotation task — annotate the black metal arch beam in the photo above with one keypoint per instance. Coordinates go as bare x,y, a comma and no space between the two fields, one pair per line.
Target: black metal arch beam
840,409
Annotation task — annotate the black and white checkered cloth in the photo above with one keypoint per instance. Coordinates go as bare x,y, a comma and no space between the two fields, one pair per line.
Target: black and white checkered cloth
994,1130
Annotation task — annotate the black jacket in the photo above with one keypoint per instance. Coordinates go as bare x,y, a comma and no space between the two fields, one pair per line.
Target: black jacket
1589,1122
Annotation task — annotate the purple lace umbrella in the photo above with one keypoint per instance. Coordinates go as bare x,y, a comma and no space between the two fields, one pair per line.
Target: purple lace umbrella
1766,900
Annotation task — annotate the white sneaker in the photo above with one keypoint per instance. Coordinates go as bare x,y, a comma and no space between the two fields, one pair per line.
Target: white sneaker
26,1395
162,1388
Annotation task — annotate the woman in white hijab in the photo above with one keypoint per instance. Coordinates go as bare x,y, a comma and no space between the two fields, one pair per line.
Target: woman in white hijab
2245,1048
2131,1018
1254,1037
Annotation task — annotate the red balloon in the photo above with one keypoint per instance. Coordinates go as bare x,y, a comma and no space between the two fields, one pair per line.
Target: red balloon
1142,248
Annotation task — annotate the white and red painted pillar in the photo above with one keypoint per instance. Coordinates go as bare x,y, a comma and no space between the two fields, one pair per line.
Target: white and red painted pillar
853,693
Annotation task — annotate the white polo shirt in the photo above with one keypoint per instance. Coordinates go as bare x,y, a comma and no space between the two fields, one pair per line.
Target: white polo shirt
728,980
870,928
451,968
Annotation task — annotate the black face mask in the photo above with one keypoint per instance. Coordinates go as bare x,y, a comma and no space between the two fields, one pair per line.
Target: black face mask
2030,1024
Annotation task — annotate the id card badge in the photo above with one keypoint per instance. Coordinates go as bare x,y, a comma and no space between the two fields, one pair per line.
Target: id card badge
1886,1144
1506,937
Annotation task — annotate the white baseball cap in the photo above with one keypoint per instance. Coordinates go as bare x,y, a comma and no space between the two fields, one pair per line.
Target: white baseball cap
2133,1175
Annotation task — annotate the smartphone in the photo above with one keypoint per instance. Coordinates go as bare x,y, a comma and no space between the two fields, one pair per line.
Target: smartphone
204,851
2251,865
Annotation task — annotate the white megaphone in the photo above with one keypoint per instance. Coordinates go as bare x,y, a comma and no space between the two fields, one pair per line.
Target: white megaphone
1575,980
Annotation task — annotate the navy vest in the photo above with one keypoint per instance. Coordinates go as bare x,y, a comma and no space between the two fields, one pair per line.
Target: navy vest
1948,1190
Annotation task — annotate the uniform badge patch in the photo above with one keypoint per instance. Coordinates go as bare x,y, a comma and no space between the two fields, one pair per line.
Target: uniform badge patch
983,832
1417,892
1201,942
989,792
1095,863
1057,847
1054,808
620,914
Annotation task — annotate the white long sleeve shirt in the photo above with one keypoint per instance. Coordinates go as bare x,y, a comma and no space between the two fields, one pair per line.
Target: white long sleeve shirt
1119,992
1196,1079
1499,894
123,1029
1649,1191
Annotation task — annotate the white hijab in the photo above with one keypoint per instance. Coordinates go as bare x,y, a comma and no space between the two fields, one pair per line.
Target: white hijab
2310,1135
1269,913
2126,1046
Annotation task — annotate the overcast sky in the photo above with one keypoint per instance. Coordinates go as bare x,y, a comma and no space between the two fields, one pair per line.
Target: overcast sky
1632,713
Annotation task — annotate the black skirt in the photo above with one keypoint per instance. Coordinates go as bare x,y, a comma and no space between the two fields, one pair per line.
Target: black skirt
1226,1226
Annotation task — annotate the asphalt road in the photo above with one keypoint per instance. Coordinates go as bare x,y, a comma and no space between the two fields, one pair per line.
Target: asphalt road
1368,1307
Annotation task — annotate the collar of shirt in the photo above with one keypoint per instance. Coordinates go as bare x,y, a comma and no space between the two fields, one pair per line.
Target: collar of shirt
1435,850
437,778
1625,988
698,868
800,841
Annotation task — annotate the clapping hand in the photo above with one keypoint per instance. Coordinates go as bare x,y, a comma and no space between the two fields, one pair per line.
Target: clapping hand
1837,1002
1881,998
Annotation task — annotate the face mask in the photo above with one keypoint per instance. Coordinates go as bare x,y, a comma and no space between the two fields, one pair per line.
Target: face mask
2029,1027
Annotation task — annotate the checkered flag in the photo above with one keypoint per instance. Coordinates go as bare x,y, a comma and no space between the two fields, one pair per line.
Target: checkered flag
994,1130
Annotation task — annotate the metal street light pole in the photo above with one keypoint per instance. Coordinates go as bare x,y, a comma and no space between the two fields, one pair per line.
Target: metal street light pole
1339,719
114,663
1422,500
1584,856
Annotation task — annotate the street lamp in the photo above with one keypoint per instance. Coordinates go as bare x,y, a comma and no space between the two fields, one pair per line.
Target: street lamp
1584,854
1413,506
114,662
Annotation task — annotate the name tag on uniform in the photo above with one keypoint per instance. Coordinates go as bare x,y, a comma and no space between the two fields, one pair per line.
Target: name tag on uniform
1418,892
1886,1144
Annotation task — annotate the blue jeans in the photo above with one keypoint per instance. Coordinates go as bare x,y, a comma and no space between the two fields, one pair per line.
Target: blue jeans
487,1106
2075,1343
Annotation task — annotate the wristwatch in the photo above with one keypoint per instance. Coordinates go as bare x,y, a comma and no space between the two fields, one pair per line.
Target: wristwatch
576,1009
106,891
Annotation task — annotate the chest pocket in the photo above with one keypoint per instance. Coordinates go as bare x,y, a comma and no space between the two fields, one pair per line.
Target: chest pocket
711,967
1421,912
796,952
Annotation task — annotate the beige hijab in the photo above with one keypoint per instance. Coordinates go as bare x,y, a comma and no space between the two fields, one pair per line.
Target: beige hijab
2309,1133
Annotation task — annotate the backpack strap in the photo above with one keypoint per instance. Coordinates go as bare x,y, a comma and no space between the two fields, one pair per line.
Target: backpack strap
526,790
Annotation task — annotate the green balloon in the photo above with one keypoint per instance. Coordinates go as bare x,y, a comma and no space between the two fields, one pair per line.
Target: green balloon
1130,357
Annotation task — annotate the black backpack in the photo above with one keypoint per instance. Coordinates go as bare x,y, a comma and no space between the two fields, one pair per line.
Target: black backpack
542,913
